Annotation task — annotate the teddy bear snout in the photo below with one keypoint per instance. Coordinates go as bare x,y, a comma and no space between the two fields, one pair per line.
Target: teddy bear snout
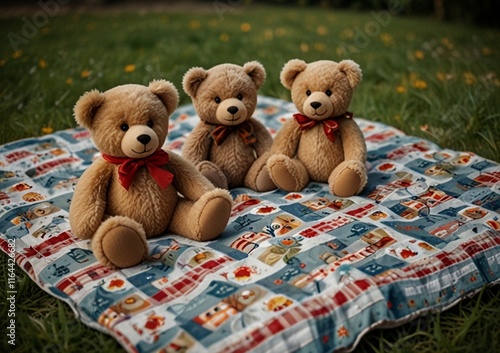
231,112
318,106
144,139
140,141
315,105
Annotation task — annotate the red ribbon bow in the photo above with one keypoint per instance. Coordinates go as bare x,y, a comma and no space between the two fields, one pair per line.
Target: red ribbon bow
245,130
129,167
330,125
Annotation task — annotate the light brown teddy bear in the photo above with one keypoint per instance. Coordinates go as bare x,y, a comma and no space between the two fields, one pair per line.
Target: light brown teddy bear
322,143
228,146
136,190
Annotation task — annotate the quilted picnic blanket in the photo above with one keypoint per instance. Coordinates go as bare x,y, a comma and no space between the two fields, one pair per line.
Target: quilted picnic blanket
303,271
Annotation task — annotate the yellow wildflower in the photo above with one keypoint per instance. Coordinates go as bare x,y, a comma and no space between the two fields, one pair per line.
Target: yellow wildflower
347,33
420,84
268,34
129,68
3,62
446,42
321,30
42,64
69,81
401,89
486,51
85,73
320,47
17,54
419,54
47,130
45,30
386,38
280,32
223,37
304,47
469,78
245,27
194,24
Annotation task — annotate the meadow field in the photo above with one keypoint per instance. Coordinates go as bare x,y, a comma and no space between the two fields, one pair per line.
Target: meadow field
435,80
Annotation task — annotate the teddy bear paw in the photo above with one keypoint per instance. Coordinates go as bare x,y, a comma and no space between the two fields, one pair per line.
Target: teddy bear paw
120,242
286,173
213,173
263,181
348,179
215,214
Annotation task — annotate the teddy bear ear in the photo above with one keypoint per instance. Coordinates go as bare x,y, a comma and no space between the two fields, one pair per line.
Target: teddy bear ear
290,71
256,71
192,80
352,71
86,107
166,91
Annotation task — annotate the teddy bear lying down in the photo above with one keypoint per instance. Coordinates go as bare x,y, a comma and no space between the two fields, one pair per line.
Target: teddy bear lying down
137,190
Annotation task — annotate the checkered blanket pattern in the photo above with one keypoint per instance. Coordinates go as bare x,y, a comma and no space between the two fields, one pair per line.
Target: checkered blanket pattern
294,272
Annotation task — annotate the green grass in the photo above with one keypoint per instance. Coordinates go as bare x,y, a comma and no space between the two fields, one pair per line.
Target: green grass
438,81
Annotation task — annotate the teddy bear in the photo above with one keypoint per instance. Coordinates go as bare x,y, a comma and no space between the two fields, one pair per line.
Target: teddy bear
228,145
322,142
136,190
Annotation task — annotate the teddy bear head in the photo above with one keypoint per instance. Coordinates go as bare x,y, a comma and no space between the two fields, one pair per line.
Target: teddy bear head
226,94
128,120
321,89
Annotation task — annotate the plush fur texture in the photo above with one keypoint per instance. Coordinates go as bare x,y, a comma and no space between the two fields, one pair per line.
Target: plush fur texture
227,95
132,121
320,90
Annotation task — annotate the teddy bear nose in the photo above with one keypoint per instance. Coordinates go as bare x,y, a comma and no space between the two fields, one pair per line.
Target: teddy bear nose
232,109
144,139
315,105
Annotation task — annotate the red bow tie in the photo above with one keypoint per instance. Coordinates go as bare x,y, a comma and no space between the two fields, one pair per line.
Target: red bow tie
330,125
245,130
129,167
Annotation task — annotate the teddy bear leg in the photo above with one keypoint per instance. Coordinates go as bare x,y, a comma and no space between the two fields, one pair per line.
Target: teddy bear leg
204,219
258,177
288,174
213,173
348,178
120,242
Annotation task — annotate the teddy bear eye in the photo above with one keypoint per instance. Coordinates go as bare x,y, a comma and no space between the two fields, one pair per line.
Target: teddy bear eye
151,123
217,100
124,127
308,92
239,96
328,92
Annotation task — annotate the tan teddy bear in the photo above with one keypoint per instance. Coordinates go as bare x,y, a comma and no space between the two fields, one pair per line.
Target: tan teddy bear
228,146
322,143
136,190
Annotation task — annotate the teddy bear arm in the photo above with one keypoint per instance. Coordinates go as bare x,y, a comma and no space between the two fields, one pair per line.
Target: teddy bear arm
287,139
88,204
188,180
264,138
197,146
353,141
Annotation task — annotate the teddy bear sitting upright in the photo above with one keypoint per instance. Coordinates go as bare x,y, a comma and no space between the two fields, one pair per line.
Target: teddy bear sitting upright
136,190
322,143
228,146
